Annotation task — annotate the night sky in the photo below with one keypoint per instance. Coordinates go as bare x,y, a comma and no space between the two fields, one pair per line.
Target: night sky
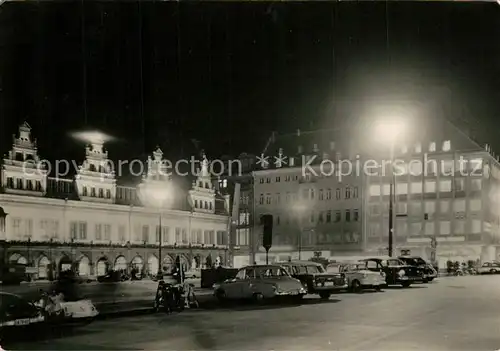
227,74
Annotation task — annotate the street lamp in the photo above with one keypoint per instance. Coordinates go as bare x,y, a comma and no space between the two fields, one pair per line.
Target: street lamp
299,211
157,196
389,131
3,236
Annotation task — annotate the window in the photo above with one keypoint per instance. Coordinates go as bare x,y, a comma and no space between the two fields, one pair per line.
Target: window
98,232
430,228
415,208
329,194
287,178
278,198
328,216
145,233
375,190
459,184
445,185
401,228
430,207
321,194
459,227
277,220
337,193
199,236
447,167
475,205
356,215
101,192
242,236
416,228
261,180
338,216
107,232
475,184
355,192
386,189
268,180
311,217
312,194
121,233
261,199
459,205
402,188
84,192
430,186
268,199
165,234
416,188
82,230
347,215
374,209
418,148
178,237
92,192
401,208
278,179
432,147
445,227
108,194
445,206
446,145
184,236
347,192
73,229
476,226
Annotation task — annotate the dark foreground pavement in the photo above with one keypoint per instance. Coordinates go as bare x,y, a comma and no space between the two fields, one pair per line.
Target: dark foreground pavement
459,313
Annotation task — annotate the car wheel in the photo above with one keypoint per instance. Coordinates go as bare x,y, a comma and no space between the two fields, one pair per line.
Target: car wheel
493,271
378,288
258,297
405,284
356,286
324,295
431,279
298,298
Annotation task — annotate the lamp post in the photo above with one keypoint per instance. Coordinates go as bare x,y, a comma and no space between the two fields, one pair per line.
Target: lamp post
389,131
299,211
3,237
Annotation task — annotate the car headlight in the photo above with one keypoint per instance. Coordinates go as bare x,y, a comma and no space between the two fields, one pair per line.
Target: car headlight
402,273
382,274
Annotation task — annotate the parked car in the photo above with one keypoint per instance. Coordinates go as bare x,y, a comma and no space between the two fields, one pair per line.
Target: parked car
315,278
259,282
429,272
489,268
358,276
396,272
18,317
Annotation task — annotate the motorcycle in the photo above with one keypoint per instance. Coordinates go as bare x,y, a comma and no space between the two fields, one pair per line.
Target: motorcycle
169,298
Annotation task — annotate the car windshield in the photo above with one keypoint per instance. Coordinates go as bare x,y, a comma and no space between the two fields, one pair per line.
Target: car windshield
393,262
335,268
414,261
270,272
315,269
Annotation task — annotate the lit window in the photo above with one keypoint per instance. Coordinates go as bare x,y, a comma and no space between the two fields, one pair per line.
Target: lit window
430,227
374,190
445,227
445,185
430,186
459,205
432,147
476,226
430,207
446,145
416,188
418,148
475,205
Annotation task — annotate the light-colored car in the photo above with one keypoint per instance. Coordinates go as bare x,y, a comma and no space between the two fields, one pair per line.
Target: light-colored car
358,276
260,282
82,309
489,268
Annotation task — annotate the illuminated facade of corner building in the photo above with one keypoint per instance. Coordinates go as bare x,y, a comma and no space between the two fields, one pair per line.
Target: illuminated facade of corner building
94,225
347,218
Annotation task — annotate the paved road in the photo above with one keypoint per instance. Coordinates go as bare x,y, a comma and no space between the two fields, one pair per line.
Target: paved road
456,313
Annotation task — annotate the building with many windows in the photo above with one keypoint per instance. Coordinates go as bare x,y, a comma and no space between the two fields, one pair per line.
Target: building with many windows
446,187
316,201
93,225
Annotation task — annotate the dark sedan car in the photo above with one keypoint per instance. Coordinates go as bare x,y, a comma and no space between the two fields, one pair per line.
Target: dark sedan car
429,272
396,271
18,317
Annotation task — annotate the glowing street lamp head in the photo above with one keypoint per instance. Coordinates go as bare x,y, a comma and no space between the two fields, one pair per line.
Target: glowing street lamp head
92,137
389,130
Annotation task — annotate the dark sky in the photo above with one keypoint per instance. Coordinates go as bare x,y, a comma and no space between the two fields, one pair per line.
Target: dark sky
229,73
